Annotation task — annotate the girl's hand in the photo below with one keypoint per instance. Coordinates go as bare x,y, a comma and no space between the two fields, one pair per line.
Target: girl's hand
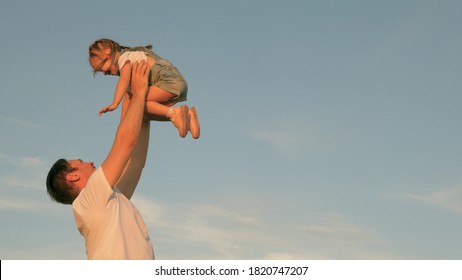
107,109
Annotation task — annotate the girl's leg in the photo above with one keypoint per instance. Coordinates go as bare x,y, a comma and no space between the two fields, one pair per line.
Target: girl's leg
158,103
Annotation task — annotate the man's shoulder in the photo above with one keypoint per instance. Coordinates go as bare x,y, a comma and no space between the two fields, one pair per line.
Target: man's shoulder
97,190
97,175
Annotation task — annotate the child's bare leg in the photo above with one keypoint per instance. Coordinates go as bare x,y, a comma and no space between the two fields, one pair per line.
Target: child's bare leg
158,107
156,100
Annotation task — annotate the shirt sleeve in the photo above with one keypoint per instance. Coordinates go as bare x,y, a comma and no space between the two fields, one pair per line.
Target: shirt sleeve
123,58
131,56
97,193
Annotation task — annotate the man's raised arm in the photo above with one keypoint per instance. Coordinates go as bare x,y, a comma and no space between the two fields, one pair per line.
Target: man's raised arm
132,172
130,126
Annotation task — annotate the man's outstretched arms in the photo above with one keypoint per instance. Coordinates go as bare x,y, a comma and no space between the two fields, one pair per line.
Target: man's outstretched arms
130,127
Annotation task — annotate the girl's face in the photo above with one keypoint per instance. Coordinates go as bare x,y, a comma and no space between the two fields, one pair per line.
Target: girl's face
103,63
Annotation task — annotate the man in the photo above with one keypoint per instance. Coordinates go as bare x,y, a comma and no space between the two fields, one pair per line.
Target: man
100,197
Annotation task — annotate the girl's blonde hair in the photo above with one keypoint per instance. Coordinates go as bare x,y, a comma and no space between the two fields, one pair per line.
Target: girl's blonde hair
98,46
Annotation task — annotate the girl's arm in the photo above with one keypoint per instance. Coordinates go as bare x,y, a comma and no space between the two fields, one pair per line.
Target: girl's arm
121,88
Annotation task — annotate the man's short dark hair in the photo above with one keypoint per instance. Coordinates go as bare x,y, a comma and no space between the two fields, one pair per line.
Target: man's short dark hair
58,187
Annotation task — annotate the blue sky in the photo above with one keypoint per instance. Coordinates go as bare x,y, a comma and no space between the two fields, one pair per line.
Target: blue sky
330,129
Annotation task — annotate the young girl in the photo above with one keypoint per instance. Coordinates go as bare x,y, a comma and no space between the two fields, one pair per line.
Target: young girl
166,84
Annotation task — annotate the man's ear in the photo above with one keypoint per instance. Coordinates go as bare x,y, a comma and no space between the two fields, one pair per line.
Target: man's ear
72,177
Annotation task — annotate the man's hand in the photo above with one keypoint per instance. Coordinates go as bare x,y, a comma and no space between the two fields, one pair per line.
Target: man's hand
139,79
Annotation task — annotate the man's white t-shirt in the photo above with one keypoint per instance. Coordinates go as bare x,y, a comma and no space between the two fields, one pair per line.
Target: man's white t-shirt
110,223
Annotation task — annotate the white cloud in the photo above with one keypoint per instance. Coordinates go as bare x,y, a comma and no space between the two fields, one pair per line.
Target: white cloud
20,204
13,182
29,176
69,250
284,143
449,199
31,162
215,211
213,232
17,122
294,139
336,237
24,162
